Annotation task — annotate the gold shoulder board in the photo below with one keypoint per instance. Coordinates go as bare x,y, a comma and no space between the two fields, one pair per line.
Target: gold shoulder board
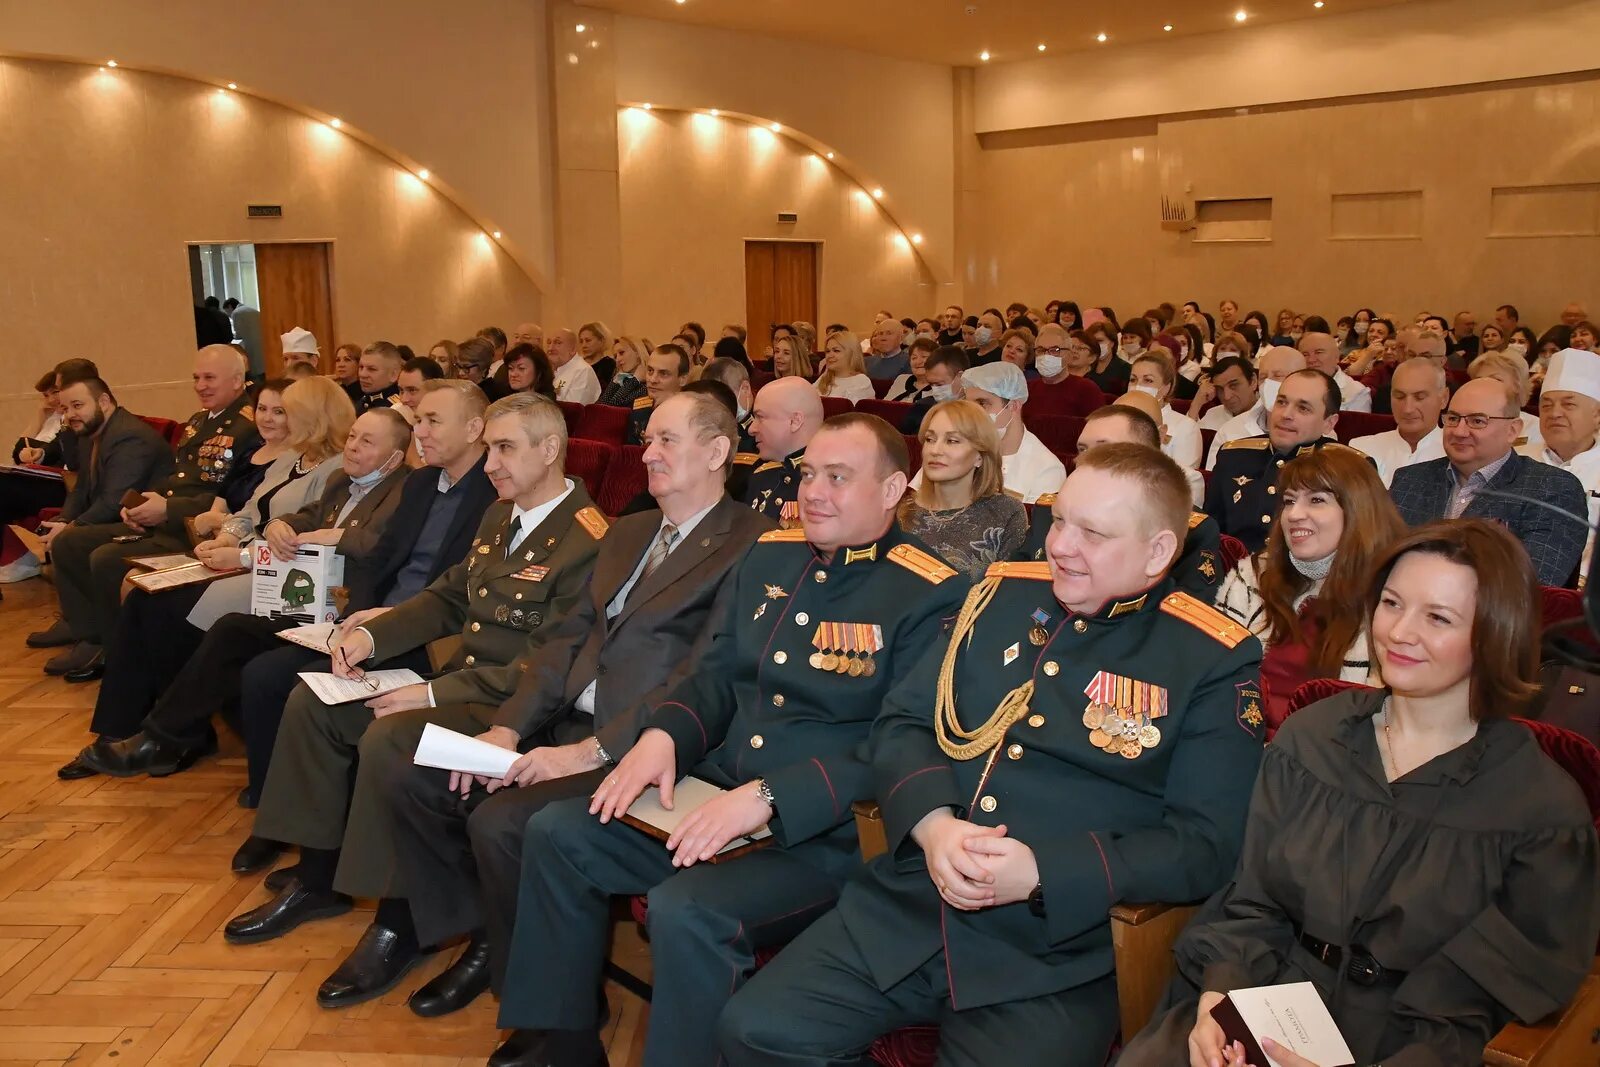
248,412
593,522
1045,500
1203,616
921,564
746,458
1196,518
1038,571
644,402
792,536
1347,448
1247,442
771,464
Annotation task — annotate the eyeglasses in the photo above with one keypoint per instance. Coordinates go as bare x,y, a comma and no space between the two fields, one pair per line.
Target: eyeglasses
1053,351
1451,419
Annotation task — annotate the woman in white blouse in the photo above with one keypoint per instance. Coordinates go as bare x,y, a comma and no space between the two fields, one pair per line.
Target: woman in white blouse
1154,374
844,371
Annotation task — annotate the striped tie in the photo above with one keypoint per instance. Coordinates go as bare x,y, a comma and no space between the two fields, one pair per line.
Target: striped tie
663,546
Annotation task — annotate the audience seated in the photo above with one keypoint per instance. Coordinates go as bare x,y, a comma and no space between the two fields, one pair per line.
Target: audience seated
1513,374
1061,362
1027,466
1418,392
1109,373
961,510
377,376
1321,352
791,357
1481,475
910,386
666,372
575,381
594,345
1450,864
1569,422
627,384
474,357
986,334
1154,409
889,358
1231,382
346,359
787,413
1154,375
843,373
1301,595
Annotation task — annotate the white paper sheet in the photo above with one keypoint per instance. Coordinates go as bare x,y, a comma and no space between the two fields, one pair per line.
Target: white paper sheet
1295,1017
331,689
317,636
451,751
163,563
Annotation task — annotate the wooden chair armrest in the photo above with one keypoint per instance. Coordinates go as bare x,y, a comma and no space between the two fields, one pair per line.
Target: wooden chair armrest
1138,914
1563,1040
1141,941
869,829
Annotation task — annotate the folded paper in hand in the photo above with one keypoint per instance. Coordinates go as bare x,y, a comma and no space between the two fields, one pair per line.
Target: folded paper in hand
1292,1014
317,636
331,689
648,815
450,751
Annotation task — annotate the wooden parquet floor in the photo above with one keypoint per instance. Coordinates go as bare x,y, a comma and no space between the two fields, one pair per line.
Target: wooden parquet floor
113,895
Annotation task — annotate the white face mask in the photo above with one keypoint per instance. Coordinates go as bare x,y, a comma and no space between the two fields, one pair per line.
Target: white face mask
1518,349
982,335
1146,390
1105,349
739,413
1269,392
1361,329
1048,366
941,392
994,417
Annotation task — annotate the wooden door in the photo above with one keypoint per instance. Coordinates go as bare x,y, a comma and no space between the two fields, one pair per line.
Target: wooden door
295,281
780,285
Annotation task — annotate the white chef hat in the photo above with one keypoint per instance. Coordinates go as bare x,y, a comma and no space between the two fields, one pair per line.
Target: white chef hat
298,340
1575,371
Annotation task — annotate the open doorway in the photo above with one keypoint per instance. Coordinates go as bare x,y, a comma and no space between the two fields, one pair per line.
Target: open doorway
249,295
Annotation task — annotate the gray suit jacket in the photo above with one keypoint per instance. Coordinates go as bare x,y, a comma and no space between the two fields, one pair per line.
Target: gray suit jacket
131,456
656,639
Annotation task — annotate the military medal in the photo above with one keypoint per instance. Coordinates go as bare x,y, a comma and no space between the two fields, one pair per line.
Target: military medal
1150,737
1120,714
1038,635
1095,715
816,660
502,614
775,592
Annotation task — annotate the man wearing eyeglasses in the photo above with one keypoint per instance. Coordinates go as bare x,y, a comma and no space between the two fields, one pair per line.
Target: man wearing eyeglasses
1481,476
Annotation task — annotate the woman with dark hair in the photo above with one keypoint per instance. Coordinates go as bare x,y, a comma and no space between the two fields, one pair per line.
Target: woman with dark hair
1551,341
1410,851
1301,594
1380,349
1109,372
1263,330
1069,316
1356,336
527,370
1523,343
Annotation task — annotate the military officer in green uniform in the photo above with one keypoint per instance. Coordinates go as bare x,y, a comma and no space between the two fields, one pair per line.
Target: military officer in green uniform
821,624
787,412
666,371
525,570
1086,735
1199,565
90,565
1243,493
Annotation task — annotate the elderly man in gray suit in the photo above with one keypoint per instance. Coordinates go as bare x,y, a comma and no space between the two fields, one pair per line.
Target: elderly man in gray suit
578,707
1481,477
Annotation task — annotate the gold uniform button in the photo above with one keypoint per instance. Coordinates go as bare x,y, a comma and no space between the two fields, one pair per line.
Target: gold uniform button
183,474
1272,490
1265,519
821,576
777,700
756,741
476,627
780,658
1014,751
1280,462
1035,721
801,619
1051,668
519,596
988,803
1079,625
482,591
471,660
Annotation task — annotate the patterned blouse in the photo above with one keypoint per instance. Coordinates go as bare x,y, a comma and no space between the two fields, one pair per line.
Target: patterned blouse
969,539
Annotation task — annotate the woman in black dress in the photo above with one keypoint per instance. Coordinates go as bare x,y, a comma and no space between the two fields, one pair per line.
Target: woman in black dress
1410,850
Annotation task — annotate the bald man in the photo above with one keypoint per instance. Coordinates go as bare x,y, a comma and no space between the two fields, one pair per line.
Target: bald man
575,381
90,565
1152,407
788,413
1272,367
1321,353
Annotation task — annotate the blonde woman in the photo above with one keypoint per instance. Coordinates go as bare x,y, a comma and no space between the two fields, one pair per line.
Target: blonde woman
444,354
627,385
961,510
790,356
594,345
1513,372
844,370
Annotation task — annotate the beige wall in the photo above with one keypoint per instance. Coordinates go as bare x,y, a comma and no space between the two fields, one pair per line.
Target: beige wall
108,175
459,88
694,188
1081,220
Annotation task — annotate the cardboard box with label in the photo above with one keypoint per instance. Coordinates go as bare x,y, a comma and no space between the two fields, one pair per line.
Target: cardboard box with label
299,589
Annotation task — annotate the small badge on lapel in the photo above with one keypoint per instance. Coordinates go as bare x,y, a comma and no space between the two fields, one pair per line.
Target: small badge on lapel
1012,653
775,592
762,610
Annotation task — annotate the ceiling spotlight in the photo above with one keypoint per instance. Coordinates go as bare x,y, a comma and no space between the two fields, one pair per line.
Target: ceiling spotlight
715,112
877,193
1239,15
775,127
680,1
111,63
335,123
830,155
1167,28
497,235
916,238
984,56
580,27
1041,47
233,85
424,173
102,70
1100,37
647,107
1318,5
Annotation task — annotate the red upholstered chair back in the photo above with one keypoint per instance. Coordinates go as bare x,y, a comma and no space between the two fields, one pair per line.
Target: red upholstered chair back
1179,405
914,449
1308,693
893,412
171,431
1353,424
625,479
1576,754
573,413
1559,605
1233,550
603,422
880,386
588,460
1059,433
836,405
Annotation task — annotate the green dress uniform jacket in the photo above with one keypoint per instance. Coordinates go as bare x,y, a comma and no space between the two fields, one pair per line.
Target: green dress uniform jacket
1151,808
498,605
773,488
1199,568
212,448
1243,492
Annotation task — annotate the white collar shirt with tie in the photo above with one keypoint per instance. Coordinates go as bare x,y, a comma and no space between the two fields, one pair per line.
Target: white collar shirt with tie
525,522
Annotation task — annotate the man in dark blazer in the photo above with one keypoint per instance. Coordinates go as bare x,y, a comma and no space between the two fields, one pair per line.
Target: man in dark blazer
124,452
584,690
1481,476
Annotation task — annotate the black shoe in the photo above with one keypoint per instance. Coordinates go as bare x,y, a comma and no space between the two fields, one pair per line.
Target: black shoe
246,799
551,1048
92,671
74,769
140,754
458,985
58,635
279,879
516,1048
79,656
376,965
257,854
295,905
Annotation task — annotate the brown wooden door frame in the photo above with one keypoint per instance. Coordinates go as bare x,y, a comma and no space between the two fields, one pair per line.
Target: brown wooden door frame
774,292
307,302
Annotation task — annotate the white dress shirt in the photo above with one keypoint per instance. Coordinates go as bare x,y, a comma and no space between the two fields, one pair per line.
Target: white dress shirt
1215,418
1391,452
1250,423
1183,438
576,383
853,387
1353,396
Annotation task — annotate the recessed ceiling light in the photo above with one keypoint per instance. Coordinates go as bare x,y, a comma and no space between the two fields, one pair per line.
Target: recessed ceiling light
877,193
1167,28
715,112
1240,16
335,123
984,56
775,127
233,85
916,238
1318,5
424,173
648,107
830,155
580,27
1100,37
497,235
1041,47
111,63
680,1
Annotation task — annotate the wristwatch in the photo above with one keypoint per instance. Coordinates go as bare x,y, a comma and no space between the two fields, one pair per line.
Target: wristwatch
601,754
1036,901
764,791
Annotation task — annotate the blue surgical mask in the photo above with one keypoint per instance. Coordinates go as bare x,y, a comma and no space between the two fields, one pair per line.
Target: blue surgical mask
982,335
378,473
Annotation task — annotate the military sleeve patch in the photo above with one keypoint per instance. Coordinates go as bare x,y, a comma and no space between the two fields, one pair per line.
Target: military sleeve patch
593,523
794,536
1203,616
921,564
1208,566
1036,571
1248,709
